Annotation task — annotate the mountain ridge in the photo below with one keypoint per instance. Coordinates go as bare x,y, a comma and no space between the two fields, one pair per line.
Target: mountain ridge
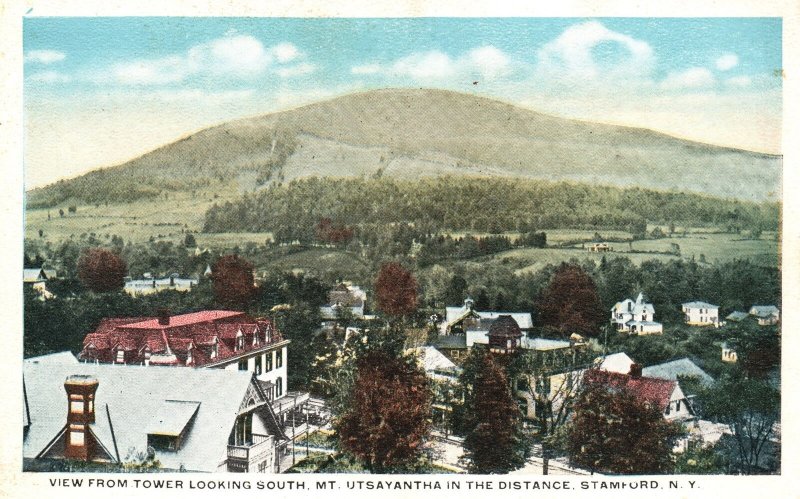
396,132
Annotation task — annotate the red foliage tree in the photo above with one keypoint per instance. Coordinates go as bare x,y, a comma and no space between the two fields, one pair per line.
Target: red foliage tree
232,277
101,270
329,232
615,432
570,303
388,413
396,290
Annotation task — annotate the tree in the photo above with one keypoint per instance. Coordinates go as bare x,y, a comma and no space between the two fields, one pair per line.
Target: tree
189,241
494,441
388,415
614,432
101,271
751,408
570,303
396,290
233,281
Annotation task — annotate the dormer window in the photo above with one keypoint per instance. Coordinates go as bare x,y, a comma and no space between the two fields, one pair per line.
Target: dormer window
189,355
239,340
214,349
120,357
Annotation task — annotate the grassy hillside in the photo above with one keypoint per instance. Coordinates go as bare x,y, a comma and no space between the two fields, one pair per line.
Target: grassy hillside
411,133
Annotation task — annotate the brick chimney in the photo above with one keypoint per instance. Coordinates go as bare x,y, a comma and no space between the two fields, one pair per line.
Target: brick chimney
80,413
636,371
163,316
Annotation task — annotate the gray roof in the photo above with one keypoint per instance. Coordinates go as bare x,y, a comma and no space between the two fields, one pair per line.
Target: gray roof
699,304
33,275
455,314
764,310
450,341
432,359
133,399
680,367
737,316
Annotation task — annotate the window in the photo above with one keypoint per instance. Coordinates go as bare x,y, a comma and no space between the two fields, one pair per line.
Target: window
278,387
279,359
677,405
214,350
120,357
268,358
162,442
76,436
240,341
258,365
243,365
76,406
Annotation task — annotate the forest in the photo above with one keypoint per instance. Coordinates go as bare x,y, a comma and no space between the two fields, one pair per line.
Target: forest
293,211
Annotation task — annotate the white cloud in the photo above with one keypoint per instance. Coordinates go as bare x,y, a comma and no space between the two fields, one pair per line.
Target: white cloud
236,56
727,61
487,62
44,56
50,77
285,52
690,78
739,81
571,54
297,70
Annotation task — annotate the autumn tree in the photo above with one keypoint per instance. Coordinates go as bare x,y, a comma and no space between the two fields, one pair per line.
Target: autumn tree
494,440
386,418
232,276
570,303
396,290
613,431
101,270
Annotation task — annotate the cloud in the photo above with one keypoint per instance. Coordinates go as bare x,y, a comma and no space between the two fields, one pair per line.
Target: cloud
688,79
44,56
50,77
739,81
573,55
297,70
727,61
241,57
485,62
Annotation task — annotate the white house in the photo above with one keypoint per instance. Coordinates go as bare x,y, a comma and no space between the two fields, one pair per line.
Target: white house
729,354
141,287
466,318
635,317
700,313
37,280
345,296
767,315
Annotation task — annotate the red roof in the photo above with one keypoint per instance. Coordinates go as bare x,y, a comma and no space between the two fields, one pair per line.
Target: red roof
202,329
185,319
653,390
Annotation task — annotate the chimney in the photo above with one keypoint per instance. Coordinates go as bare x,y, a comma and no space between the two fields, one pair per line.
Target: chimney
163,316
636,371
80,413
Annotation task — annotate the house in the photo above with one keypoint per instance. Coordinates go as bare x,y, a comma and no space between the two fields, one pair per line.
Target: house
700,313
203,420
212,338
459,320
635,317
767,315
442,374
344,296
676,368
729,354
616,362
666,395
737,316
141,287
36,279
600,248
452,346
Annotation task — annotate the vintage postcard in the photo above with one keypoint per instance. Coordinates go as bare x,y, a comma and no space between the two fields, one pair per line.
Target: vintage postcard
402,252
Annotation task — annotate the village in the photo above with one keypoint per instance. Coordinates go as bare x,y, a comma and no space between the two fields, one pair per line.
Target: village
476,389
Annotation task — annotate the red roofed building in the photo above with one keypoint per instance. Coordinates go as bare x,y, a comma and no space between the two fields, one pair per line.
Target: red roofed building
212,338
664,394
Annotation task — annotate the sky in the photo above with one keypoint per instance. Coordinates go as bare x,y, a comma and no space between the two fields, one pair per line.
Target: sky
100,91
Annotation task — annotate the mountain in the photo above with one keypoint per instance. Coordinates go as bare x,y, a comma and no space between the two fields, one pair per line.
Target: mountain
411,133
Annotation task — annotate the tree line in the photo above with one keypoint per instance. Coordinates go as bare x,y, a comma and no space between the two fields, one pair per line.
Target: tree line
293,211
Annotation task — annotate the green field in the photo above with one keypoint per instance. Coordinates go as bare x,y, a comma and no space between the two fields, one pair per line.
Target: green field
715,248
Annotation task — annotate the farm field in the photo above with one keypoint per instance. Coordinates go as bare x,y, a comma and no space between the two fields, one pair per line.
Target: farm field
715,247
